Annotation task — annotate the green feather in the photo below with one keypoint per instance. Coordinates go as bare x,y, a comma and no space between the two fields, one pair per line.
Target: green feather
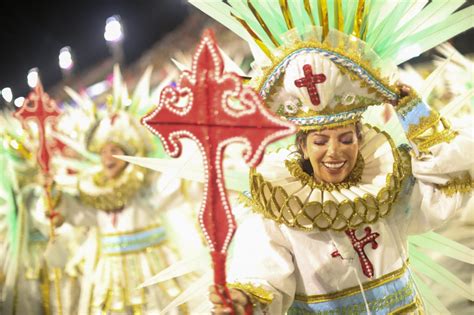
220,12
314,10
10,209
240,8
300,17
331,14
349,8
433,13
140,98
271,13
430,37
427,266
379,37
431,302
443,245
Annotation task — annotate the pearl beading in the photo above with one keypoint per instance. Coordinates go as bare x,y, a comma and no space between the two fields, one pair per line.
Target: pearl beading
327,119
358,245
249,103
309,81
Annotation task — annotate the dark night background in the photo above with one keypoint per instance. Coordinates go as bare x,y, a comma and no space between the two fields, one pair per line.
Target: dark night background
33,32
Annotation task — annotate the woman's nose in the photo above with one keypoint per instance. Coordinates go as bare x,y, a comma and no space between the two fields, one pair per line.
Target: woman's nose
333,147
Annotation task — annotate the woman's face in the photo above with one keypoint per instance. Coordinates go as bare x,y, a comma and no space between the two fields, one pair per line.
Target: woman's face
332,153
112,167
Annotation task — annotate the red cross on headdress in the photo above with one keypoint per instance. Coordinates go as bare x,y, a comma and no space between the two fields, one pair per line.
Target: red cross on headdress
309,81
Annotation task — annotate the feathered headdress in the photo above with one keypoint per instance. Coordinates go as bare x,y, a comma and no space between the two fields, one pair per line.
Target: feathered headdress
321,63
117,122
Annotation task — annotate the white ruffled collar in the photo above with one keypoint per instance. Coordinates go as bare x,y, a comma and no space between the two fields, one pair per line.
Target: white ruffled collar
281,195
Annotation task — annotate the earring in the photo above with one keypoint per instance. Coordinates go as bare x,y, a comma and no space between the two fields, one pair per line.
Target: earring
305,157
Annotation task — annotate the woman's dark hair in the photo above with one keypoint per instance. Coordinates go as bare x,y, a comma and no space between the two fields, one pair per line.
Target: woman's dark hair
300,141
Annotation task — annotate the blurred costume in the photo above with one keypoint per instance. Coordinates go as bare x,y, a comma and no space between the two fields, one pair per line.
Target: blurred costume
318,248
28,276
128,240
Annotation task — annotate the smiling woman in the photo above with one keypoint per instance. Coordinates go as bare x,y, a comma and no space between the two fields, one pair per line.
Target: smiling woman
329,226
112,166
126,208
329,155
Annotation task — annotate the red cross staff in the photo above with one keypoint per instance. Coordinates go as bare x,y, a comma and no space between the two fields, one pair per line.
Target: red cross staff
214,109
309,81
358,245
40,109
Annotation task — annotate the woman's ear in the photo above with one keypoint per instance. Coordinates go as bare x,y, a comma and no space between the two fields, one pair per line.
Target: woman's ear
302,145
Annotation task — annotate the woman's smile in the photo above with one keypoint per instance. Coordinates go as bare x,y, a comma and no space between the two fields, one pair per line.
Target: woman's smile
332,153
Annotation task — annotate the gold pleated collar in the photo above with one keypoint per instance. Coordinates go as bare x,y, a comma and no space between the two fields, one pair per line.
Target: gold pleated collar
289,197
111,195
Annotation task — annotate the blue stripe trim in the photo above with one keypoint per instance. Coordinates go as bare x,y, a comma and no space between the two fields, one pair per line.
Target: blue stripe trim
120,244
381,300
413,116
114,239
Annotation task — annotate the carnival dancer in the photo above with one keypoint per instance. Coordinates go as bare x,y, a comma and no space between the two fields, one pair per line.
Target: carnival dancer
331,218
127,208
29,283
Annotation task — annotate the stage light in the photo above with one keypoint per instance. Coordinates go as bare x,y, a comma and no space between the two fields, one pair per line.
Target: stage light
97,88
113,29
33,77
19,101
65,58
7,94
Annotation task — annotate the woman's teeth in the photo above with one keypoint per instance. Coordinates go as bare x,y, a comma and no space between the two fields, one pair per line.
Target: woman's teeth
334,166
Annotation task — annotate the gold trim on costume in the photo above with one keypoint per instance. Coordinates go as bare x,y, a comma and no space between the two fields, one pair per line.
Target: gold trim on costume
16,146
274,203
309,11
323,17
358,19
262,23
256,294
111,195
339,15
286,14
425,123
331,125
406,104
295,169
45,290
464,184
410,308
434,136
255,37
394,275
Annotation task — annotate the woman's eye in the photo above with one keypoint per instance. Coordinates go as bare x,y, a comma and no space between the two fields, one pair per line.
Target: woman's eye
347,140
319,142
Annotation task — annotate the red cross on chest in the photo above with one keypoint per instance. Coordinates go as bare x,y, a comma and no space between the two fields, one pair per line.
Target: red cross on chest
359,245
309,81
